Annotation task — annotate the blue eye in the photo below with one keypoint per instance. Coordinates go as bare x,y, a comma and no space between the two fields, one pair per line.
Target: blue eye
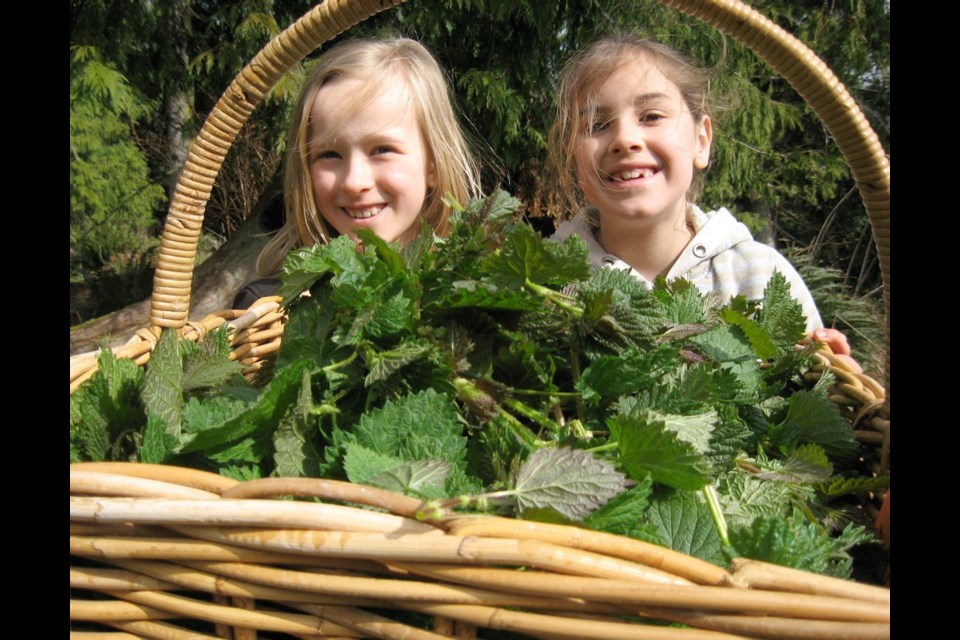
326,154
382,149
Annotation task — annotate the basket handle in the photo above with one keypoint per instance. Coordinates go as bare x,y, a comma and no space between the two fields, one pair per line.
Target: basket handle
832,103
170,300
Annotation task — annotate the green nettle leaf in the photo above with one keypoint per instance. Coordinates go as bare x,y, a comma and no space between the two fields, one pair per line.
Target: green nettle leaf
163,382
780,315
362,464
762,344
295,455
422,478
806,464
527,256
623,513
609,377
725,343
817,420
158,442
384,364
388,254
571,481
860,485
694,429
274,401
683,303
247,450
211,412
416,427
294,452
309,323
648,447
684,523
793,542
745,498
107,405
209,373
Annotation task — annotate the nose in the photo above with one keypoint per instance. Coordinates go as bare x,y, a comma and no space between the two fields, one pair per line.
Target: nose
627,135
358,175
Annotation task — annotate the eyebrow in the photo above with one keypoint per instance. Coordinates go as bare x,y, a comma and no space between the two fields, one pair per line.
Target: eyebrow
636,101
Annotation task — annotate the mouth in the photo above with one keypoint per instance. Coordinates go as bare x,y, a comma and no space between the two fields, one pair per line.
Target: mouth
362,213
629,174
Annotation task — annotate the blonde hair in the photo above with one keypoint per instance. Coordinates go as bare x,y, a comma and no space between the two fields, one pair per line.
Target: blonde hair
377,63
580,81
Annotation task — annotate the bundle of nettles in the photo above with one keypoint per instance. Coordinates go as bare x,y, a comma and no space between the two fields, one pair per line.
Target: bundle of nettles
491,370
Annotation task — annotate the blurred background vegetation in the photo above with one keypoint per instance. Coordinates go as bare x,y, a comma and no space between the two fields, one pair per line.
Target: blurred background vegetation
144,75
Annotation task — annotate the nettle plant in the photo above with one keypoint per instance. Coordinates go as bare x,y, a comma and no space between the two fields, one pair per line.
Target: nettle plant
491,370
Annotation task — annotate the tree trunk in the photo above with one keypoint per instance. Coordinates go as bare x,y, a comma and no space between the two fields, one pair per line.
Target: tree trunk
215,283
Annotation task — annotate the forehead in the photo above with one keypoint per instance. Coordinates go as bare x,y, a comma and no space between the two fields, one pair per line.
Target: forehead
635,81
348,102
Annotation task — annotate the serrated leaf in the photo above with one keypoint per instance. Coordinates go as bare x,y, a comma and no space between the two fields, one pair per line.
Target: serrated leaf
648,447
725,343
695,429
526,255
361,463
859,485
209,373
270,407
416,427
684,523
682,302
211,412
486,295
622,514
808,463
107,405
814,419
158,442
384,364
762,344
780,315
610,377
163,382
571,481
796,543
745,498
247,450
295,455
423,478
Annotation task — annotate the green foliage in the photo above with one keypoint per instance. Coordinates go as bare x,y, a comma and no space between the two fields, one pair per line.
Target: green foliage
423,398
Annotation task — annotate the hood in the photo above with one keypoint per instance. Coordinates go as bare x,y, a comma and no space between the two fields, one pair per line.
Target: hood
715,232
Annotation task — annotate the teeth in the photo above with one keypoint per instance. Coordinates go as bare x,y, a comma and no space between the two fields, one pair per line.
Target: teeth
632,174
360,214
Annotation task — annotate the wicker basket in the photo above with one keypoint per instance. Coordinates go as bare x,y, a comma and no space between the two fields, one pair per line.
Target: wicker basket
248,565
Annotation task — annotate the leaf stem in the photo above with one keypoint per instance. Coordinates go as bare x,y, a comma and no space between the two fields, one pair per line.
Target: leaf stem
610,446
717,513
557,298
533,414
337,365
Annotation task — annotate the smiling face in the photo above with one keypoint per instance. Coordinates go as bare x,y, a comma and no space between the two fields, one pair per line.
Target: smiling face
370,168
636,157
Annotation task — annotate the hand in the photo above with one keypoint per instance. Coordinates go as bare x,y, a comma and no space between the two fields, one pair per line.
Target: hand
839,345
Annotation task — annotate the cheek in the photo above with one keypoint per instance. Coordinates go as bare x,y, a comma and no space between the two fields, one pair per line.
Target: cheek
324,183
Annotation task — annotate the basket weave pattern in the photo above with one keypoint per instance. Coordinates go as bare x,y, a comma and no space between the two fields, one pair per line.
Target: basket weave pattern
252,562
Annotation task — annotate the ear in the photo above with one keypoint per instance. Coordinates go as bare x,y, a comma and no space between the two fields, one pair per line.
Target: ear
432,175
701,160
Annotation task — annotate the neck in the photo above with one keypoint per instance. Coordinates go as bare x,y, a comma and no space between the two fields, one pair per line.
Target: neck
649,247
